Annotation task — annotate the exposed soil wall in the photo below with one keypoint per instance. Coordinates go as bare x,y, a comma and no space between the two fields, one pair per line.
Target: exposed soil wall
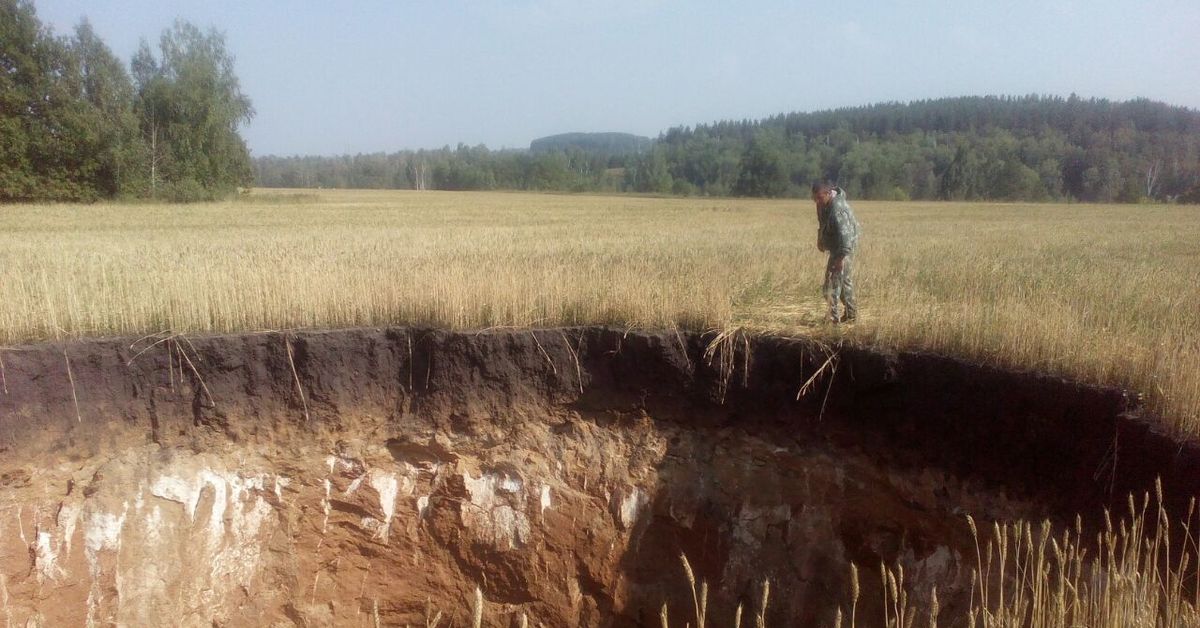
347,477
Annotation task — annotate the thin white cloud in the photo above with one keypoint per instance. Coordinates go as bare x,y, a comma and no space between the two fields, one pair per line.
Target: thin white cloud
541,14
853,33
971,39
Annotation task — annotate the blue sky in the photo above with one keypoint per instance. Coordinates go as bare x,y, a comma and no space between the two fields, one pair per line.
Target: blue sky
348,77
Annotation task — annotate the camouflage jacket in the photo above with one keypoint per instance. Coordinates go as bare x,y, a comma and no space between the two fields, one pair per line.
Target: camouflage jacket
837,229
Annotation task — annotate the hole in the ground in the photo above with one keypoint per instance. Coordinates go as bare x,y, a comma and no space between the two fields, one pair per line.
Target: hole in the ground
562,473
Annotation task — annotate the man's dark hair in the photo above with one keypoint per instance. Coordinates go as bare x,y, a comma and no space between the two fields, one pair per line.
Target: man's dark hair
822,186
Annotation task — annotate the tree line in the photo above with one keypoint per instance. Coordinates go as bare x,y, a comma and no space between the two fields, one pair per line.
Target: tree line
1032,148
76,125
461,168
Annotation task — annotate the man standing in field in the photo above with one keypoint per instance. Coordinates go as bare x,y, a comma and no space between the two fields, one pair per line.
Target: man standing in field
837,233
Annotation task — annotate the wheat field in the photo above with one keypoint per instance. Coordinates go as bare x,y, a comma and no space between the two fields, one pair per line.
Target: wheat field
1106,294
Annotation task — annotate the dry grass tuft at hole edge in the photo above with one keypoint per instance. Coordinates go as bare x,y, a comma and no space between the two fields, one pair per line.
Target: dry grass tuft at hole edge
1025,576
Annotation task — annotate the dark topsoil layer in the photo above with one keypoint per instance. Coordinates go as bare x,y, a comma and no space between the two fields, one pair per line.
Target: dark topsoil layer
1071,447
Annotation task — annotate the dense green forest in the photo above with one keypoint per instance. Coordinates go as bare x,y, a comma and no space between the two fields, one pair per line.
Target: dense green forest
1035,148
76,125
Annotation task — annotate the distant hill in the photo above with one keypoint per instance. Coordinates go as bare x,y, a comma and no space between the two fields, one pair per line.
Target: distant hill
601,143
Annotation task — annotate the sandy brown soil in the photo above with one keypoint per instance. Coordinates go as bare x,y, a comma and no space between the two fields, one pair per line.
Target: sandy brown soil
348,478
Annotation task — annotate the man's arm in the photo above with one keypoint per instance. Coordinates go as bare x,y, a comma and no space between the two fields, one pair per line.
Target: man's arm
820,245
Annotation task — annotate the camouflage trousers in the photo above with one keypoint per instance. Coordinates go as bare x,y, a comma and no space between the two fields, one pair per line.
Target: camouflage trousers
839,290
